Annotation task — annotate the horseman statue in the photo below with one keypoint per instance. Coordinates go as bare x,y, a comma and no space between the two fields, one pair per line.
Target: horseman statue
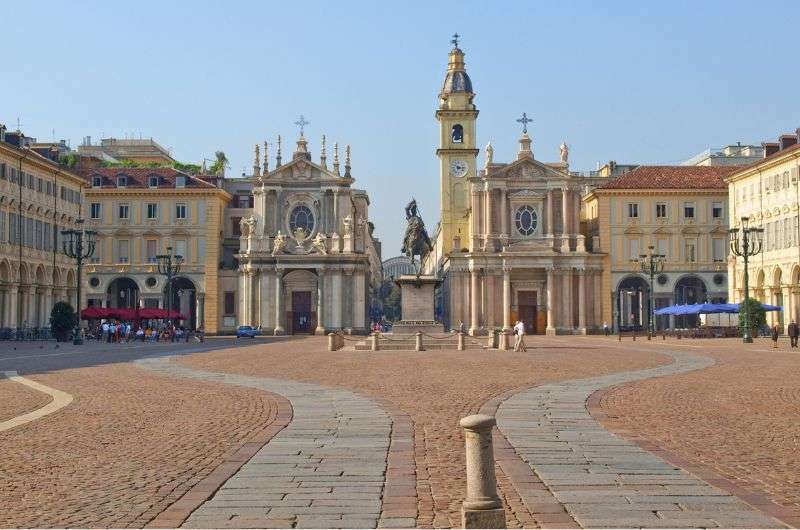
416,241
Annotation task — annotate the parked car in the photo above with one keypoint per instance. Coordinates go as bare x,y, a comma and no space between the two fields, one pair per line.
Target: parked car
246,331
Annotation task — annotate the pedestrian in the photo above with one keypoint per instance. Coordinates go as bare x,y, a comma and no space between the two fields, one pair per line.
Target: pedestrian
105,328
794,331
605,328
461,327
519,331
775,334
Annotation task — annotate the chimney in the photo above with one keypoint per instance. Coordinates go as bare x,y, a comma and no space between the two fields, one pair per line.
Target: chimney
2,133
787,140
770,148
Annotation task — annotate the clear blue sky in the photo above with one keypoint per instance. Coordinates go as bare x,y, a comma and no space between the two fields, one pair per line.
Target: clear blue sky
637,82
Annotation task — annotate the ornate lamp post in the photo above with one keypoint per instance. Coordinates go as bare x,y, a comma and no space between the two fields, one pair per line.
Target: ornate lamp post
746,246
169,265
79,245
650,264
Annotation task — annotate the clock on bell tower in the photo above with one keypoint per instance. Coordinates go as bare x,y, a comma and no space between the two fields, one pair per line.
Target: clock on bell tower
457,152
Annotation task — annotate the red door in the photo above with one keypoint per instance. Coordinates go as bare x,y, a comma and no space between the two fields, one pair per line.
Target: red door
526,301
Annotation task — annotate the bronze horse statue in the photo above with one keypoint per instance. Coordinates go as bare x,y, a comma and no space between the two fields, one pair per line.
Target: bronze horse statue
416,241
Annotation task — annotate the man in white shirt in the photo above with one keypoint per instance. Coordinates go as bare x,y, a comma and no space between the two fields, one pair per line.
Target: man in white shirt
105,331
519,330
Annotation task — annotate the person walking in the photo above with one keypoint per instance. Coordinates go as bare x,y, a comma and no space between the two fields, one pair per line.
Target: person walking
775,334
519,330
605,328
793,332
105,329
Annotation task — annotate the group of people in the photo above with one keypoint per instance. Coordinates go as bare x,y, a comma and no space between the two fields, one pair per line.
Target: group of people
519,334
121,331
793,330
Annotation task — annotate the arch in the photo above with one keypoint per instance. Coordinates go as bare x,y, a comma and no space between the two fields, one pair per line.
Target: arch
183,294
632,303
300,300
795,276
123,292
457,133
22,274
689,289
5,271
39,275
56,277
759,286
777,273
70,278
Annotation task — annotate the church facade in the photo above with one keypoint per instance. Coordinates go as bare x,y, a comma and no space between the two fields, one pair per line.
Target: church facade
306,257
508,245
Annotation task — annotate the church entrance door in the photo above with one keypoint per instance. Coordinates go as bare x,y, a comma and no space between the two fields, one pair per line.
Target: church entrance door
526,301
301,312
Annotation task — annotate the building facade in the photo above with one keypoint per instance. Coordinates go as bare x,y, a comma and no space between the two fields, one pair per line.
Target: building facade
730,155
139,214
397,266
38,199
307,258
508,245
767,193
143,150
682,212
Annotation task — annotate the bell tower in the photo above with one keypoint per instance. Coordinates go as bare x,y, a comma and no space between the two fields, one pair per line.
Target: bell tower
457,152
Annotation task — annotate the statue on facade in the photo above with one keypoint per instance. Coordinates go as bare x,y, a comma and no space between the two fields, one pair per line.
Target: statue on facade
348,225
318,243
564,152
279,244
416,241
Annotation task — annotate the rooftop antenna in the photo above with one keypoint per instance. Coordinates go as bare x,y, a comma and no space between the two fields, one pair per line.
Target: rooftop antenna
18,125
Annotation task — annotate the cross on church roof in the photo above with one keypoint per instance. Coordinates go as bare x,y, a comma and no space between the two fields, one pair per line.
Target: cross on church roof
455,39
524,120
302,124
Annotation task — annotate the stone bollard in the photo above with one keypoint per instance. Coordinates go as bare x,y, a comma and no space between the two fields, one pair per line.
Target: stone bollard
482,507
502,340
374,345
418,341
490,342
460,341
332,346
634,335
619,336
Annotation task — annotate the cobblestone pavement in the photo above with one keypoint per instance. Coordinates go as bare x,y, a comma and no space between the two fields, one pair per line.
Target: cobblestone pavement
436,389
17,399
604,480
326,469
738,419
128,446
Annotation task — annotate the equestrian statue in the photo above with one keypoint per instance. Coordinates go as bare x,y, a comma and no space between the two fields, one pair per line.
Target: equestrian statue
416,241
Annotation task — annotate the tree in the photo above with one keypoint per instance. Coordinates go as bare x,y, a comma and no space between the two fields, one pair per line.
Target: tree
391,303
62,320
220,163
758,317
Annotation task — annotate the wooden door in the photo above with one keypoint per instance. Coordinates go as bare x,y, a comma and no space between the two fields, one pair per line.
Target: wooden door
301,312
526,301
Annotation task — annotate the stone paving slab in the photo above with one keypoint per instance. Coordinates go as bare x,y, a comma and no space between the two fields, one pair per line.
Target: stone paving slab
326,469
604,480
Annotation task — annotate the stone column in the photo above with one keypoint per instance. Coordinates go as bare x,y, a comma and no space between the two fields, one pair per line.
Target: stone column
487,218
566,299
277,212
789,307
12,319
360,299
564,220
506,299
482,507
597,302
474,299
200,310
32,316
475,196
320,302
550,216
576,215
244,306
336,299
254,298
504,213
551,328
336,211
47,306
279,316
582,301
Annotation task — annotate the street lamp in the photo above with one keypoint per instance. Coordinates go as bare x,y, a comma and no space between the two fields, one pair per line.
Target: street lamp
650,264
79,245
169,265
746,246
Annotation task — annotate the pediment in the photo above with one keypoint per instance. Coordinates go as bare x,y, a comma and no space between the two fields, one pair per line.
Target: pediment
690,230
633,230
528,168
527,194
301,169
662,230
719,230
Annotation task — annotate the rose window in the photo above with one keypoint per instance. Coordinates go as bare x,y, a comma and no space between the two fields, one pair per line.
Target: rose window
301,217
525,220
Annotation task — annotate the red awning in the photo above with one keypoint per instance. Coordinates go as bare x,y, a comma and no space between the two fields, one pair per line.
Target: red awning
93,313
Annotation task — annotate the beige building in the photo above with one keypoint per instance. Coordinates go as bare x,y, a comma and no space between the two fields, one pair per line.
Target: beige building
682,211
38,199
138,214
142,150
767,193
508,245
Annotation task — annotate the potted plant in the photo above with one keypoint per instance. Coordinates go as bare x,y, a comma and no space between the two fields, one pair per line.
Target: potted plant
758,317
62,321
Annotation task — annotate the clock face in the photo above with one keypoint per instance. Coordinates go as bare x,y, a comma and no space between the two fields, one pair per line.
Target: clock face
458,168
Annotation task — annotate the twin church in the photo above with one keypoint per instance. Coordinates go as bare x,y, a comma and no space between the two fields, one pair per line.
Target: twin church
508,244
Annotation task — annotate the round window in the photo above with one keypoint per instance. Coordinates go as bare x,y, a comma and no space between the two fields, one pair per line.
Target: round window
150,282
94,282
662,279
525,220
301,217
719,279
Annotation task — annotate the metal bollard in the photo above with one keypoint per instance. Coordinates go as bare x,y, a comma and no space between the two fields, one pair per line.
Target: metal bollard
332,346
482,507
418,341
374,345
460,341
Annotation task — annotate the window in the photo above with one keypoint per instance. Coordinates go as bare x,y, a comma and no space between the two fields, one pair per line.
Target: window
691,250
97,182
688,210
122,182
662,247
180,210
661,210
123,211
152,210
94,210
244,201
180,181
3,171
181,250
633,210
48,240
301,218
633,247
39,185
39,242
3,227
458,134
230,303
152,181
236,228
124,251
525,220
718,249
97,257
716,210
151,250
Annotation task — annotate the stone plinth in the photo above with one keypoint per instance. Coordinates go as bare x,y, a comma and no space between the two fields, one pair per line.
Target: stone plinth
416,305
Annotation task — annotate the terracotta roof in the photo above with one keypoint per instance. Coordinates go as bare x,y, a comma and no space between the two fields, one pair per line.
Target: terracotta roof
673,177
140,177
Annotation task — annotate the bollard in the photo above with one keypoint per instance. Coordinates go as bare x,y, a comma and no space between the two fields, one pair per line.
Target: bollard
332,342
482,507
418,341
460,341
648,335
374,346
634,335
490,340
619,336
502,341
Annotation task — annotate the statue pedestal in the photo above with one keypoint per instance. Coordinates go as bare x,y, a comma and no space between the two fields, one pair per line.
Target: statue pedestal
416,305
